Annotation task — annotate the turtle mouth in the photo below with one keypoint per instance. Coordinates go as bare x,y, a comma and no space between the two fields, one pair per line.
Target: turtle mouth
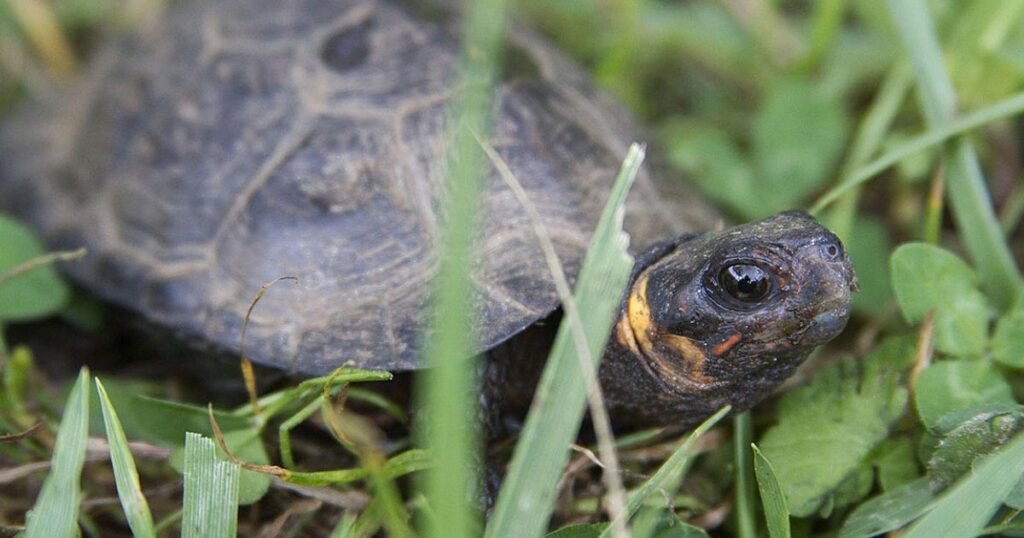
825,326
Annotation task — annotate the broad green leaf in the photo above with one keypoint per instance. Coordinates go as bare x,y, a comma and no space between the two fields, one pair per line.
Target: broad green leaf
702,32
1008,340
896,463
828,428
868,246
776,512
162,421
798,134
55,512
586,530
1015,499
34,294
981,434
926,277
129,491
853,488
966,507
210,505
889,511
948,386
247,445
717,167
961,327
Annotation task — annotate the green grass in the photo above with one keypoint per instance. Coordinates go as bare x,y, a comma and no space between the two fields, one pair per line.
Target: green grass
527,496
868,112
448,388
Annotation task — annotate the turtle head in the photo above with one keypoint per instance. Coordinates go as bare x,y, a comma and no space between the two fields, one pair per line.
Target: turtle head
748,302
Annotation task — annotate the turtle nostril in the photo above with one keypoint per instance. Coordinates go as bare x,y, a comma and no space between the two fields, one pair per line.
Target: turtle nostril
831,251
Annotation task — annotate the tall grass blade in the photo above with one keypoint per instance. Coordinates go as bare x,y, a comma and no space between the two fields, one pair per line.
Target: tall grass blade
211,491
449,383
56,510
527,497
968,195
129,491
599,418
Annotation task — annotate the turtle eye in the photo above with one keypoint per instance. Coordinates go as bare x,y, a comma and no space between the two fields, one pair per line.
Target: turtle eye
745,282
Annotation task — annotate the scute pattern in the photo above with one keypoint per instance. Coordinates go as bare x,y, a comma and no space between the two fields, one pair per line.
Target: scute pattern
245,140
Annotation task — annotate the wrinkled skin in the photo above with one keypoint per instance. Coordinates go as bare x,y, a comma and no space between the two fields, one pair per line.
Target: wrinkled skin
691,337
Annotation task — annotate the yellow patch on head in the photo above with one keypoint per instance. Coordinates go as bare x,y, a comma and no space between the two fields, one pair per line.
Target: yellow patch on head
639,313
692,354
624,334
653,343
690,351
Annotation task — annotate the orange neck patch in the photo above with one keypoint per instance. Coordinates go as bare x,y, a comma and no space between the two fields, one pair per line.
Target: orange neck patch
686,357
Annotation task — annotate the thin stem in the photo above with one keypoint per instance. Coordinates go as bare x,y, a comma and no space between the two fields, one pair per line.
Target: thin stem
745,497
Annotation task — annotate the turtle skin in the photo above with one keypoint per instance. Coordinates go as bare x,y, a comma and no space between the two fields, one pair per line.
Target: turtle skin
238,141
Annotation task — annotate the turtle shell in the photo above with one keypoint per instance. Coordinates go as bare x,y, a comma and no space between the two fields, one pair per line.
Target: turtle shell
237,141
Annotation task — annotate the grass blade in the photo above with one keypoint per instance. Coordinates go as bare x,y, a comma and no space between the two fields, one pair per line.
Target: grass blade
410,461
527,498
42,28
746,514
870,135
968,195
933,137
449,383
211,491
129,491
889,511
56,510
345,527
776,512
668,476
611,474
966,507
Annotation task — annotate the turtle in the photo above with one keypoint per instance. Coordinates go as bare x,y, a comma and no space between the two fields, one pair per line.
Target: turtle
236,141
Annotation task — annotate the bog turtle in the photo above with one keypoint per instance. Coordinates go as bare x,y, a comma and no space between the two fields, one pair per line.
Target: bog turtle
237,141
